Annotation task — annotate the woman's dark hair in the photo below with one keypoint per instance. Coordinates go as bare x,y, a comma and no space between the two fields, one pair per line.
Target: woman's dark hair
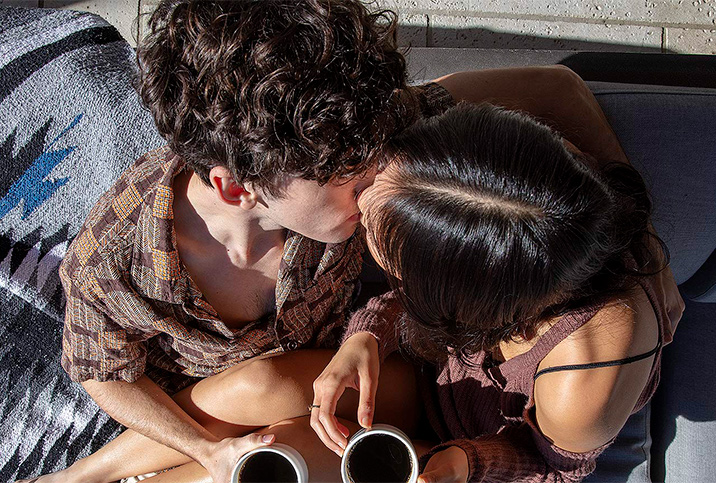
273,88
494,227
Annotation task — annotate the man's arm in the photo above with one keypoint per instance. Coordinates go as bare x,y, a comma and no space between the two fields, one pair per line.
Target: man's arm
105,356
108,359
553,94
145,408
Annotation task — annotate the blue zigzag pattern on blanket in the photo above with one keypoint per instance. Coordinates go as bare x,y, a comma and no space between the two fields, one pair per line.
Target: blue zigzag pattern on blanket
28,266
32,187
70,123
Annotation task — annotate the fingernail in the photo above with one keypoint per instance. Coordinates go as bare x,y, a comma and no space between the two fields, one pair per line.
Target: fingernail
338,452
365,422
342,445
267,438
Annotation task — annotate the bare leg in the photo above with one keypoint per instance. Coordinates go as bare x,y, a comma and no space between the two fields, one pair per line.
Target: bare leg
253,394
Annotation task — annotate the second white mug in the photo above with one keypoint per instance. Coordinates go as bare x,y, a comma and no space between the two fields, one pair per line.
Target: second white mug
382,453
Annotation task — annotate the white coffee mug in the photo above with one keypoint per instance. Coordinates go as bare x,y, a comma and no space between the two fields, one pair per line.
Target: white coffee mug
404,452
284,450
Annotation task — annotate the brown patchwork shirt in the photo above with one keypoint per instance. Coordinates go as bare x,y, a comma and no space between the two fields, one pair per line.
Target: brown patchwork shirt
133,309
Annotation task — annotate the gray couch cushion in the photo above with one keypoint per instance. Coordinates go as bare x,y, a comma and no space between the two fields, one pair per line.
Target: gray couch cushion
684,414
668,134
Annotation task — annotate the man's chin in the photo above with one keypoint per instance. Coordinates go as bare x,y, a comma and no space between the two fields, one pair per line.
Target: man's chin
338,236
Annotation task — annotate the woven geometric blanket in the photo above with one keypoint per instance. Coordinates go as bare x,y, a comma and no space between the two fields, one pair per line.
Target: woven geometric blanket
70,123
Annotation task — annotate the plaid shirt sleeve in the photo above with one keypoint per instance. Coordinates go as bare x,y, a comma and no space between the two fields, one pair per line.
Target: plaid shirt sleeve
98,342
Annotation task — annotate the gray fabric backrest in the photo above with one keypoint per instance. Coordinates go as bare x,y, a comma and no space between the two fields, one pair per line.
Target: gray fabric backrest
669,135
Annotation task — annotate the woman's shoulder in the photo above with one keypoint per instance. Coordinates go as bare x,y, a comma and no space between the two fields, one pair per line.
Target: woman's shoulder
581,409
622,327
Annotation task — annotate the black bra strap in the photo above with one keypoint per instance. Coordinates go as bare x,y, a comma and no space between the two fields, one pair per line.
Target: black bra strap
619,362
594,365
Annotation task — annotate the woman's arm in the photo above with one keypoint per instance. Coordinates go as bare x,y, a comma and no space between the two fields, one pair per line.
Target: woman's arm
577,413
580,410
371,335
518,454
553,94
380,318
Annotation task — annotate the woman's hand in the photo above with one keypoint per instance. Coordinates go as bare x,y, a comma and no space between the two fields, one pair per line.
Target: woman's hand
223,455
447,466
355,365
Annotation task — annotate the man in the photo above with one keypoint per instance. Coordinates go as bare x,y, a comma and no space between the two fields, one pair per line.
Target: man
236,240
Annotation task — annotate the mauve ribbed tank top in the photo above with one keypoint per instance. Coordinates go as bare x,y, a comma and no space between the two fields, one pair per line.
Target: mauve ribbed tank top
469,401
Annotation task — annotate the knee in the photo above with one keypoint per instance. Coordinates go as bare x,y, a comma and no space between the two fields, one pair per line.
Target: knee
260,380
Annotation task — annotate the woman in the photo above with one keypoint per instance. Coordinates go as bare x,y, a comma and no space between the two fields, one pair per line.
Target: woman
526,276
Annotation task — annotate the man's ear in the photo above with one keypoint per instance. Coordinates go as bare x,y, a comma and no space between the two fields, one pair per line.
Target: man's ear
228,190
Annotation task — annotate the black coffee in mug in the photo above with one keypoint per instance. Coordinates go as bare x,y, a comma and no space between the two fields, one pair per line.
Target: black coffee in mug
379,458
267,467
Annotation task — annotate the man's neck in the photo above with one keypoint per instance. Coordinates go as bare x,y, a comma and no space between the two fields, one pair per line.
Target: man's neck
204,220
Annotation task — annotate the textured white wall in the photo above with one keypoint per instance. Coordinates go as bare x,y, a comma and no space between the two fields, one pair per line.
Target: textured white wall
686,26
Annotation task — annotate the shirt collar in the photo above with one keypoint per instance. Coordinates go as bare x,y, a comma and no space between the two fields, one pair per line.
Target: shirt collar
304,261
159,272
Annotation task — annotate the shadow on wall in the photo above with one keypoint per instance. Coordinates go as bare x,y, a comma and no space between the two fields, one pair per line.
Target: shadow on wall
484,38
479,37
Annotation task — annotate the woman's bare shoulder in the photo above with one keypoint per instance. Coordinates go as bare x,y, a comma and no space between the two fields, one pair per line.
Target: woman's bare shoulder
581,410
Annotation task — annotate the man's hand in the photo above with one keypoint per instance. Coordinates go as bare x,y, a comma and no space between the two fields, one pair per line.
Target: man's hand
224,454
355,365
447,466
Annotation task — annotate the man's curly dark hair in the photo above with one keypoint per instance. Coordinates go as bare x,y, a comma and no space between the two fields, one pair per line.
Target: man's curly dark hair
274,88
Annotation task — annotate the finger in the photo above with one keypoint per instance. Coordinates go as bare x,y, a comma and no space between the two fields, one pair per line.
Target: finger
241,446
313,420
326,415
441,474
317,396
366,404
316,423
255,440
431,477
343,429
334,394
323,436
